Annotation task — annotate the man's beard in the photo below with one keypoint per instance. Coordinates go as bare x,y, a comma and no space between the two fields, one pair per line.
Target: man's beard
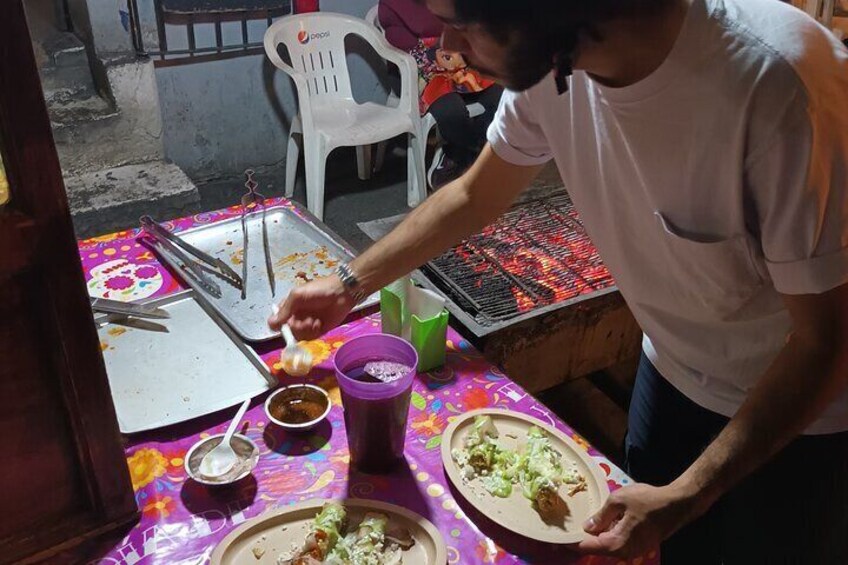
523,73
531,59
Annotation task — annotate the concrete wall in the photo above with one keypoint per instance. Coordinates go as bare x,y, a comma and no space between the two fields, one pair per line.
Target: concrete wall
78,10
130,134
225,116
110,38
356,8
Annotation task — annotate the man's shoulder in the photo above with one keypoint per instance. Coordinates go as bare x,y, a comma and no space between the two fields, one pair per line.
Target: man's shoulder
769,63
778,44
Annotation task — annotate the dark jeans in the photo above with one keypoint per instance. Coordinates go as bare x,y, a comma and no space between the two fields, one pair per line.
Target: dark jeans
463,135
793,510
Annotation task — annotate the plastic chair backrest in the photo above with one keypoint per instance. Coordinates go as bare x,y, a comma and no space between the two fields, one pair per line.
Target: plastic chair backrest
316,45
373,17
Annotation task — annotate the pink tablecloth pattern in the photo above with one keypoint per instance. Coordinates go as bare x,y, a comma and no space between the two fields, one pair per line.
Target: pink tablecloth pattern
182,521
120,266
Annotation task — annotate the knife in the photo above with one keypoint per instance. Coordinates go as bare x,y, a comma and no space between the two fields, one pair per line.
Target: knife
128,309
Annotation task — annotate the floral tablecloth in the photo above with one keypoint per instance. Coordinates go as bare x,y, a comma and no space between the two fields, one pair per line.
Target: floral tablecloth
182,521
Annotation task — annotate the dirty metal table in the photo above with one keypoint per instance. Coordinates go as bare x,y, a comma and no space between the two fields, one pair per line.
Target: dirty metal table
182,521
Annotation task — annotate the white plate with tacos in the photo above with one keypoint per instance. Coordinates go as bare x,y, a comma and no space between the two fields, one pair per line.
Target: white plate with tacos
525,475
327,532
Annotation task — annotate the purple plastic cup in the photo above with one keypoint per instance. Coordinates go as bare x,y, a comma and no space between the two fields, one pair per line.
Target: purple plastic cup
375,413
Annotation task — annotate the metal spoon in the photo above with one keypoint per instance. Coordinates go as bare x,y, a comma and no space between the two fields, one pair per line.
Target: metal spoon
220,460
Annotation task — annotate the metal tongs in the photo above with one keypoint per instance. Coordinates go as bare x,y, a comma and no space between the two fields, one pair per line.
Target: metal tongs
199,268
250,201
127,309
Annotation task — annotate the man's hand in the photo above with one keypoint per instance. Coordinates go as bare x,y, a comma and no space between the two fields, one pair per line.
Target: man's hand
314,308
638,518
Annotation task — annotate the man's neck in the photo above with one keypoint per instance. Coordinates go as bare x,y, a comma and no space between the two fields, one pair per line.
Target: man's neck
631,49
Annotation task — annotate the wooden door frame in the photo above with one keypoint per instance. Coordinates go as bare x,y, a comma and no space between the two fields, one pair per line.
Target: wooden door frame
36,225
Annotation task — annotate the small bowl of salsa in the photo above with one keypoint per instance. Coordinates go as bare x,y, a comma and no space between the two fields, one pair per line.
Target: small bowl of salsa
298,408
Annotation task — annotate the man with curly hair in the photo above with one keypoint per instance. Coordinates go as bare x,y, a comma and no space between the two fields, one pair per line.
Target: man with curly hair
705,144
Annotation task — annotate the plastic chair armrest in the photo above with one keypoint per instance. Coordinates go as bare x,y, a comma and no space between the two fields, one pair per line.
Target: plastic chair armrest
298,79
408,69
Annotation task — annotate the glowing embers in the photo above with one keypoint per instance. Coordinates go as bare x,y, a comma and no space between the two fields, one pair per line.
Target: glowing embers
536,255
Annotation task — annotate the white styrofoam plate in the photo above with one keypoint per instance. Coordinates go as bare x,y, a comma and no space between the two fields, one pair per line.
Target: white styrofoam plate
515,512
266,538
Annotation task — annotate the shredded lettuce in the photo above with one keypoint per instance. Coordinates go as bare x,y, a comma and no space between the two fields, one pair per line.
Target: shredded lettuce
483,456
366,546
542,464
498,485
482,429
331,521
537,469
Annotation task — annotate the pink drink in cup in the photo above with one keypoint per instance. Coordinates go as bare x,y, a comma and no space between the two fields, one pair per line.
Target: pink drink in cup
375,412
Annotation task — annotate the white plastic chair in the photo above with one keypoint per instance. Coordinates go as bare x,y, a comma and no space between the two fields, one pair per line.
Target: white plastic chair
428,122
373,16
328,116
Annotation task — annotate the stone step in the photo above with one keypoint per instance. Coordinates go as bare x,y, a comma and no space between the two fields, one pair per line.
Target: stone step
64,50
92,133
113,199
63,84
76,111
83,132
65,73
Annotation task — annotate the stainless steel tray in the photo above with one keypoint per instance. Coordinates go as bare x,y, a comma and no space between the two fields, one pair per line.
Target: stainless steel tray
162,372
301,250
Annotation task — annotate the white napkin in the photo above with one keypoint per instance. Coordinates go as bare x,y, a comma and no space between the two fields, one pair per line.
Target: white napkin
416,301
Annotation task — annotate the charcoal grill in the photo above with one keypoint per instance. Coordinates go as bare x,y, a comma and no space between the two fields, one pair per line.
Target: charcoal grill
536,258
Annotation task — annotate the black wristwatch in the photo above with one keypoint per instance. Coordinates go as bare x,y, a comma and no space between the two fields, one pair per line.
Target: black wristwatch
351,284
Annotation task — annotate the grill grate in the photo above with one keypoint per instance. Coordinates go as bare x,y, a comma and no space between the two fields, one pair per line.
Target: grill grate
538,254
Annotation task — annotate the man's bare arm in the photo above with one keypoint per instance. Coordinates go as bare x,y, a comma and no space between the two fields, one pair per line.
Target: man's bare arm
459,209
807,376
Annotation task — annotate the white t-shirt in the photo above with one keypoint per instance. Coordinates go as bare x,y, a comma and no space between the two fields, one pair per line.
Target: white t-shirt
709,187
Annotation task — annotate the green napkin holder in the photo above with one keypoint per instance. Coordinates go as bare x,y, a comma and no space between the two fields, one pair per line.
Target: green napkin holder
419,317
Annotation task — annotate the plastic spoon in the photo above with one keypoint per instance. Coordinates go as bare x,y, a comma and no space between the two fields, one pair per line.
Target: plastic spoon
220,460
296,360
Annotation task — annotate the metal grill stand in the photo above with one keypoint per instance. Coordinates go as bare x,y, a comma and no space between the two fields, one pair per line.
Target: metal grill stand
531,292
